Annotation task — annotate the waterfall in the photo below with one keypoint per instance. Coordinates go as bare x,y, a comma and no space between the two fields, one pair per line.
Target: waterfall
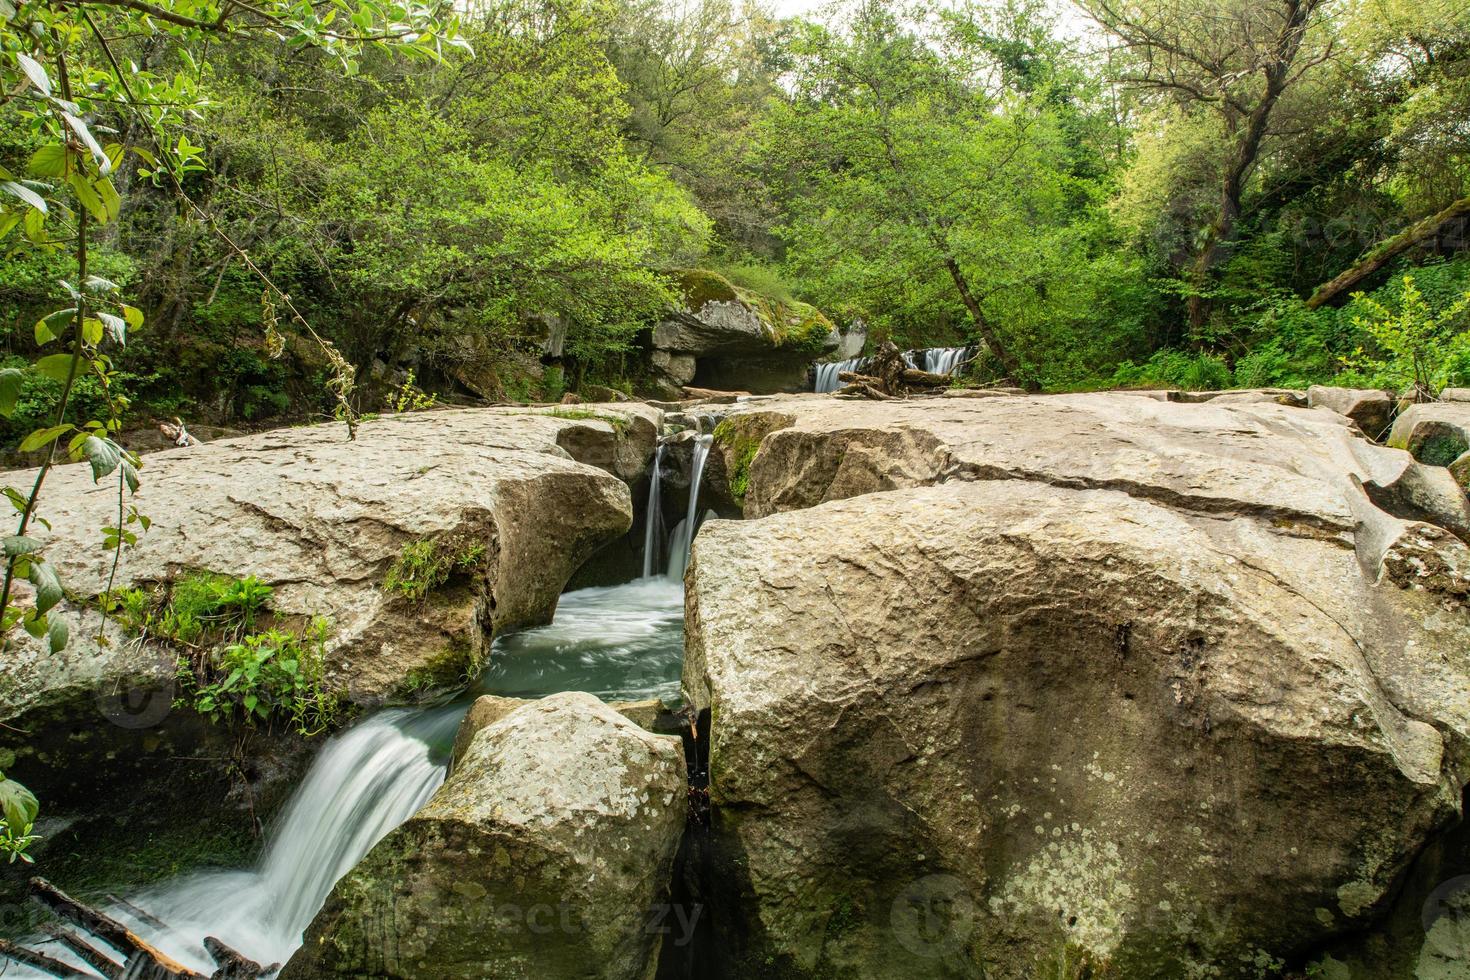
944,360
654,518
825,375
935,360
364,783
681,541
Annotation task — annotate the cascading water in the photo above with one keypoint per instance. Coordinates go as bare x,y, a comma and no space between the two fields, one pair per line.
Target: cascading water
365,782
681,542
654,517
944,360
621,642
935,360
825,375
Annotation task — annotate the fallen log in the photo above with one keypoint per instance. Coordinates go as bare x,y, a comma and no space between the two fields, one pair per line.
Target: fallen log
38,961
1383,253
140,954
141,960
86,952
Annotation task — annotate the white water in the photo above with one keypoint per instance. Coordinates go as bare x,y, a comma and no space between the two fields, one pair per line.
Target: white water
935,360
825,375
654,516
622,642
944,360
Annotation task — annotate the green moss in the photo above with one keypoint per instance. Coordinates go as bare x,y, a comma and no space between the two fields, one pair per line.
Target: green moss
428,563
1440,449
791,324
450,669
700,286
740,448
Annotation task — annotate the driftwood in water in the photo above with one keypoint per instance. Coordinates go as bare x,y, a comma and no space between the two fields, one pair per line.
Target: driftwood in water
141,960
887,376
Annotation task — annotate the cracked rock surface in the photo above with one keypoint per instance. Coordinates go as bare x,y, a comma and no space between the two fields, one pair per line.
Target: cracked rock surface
1001,683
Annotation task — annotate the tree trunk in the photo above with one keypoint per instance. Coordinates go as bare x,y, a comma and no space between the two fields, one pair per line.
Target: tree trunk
987,333
1386,251
1222,232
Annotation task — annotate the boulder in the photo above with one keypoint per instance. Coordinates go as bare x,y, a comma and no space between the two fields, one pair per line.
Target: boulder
1092,679
320,520
490,708
733,339
988,726
1437,433
1371,409
541,856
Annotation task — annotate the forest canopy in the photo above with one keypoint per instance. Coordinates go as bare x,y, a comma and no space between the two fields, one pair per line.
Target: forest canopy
497,199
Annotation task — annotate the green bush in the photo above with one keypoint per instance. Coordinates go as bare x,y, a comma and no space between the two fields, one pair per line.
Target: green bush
1175,369
277,675
426,564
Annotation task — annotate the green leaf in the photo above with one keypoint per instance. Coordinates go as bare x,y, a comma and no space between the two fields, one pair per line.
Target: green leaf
18,805
47,326
92,330
23,192
7,222
58,634
34,225
130,474
48,585
87,194
104,163
35,72
133,316
57,367
251,701
11,380
42,438
111,200
35,625
103,454
19,544
49,161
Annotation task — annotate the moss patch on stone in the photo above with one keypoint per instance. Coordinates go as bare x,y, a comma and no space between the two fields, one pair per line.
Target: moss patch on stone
740,442
791,324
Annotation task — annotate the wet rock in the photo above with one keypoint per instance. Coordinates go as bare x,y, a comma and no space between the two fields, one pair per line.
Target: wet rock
541,856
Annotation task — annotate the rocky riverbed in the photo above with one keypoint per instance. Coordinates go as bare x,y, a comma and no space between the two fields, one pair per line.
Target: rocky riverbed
1116,684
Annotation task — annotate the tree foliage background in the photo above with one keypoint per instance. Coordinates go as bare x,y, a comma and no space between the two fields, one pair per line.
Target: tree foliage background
1112,192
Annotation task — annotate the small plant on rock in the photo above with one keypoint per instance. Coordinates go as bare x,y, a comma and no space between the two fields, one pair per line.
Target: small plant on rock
277,675
425,564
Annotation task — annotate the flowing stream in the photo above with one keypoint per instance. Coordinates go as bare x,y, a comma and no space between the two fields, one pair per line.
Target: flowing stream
935,360
620,642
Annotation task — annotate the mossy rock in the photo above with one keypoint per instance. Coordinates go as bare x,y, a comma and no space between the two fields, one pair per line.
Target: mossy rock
790,324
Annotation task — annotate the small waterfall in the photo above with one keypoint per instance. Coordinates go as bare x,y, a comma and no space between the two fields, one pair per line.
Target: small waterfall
944,360
654,518
681,542
366,781
825,375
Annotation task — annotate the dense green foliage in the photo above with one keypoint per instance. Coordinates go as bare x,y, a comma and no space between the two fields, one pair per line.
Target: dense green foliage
506,217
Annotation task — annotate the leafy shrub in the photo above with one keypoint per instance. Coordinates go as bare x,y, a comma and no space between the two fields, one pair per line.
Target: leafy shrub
1175,369
1415,348
197,608
18,810
269,676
